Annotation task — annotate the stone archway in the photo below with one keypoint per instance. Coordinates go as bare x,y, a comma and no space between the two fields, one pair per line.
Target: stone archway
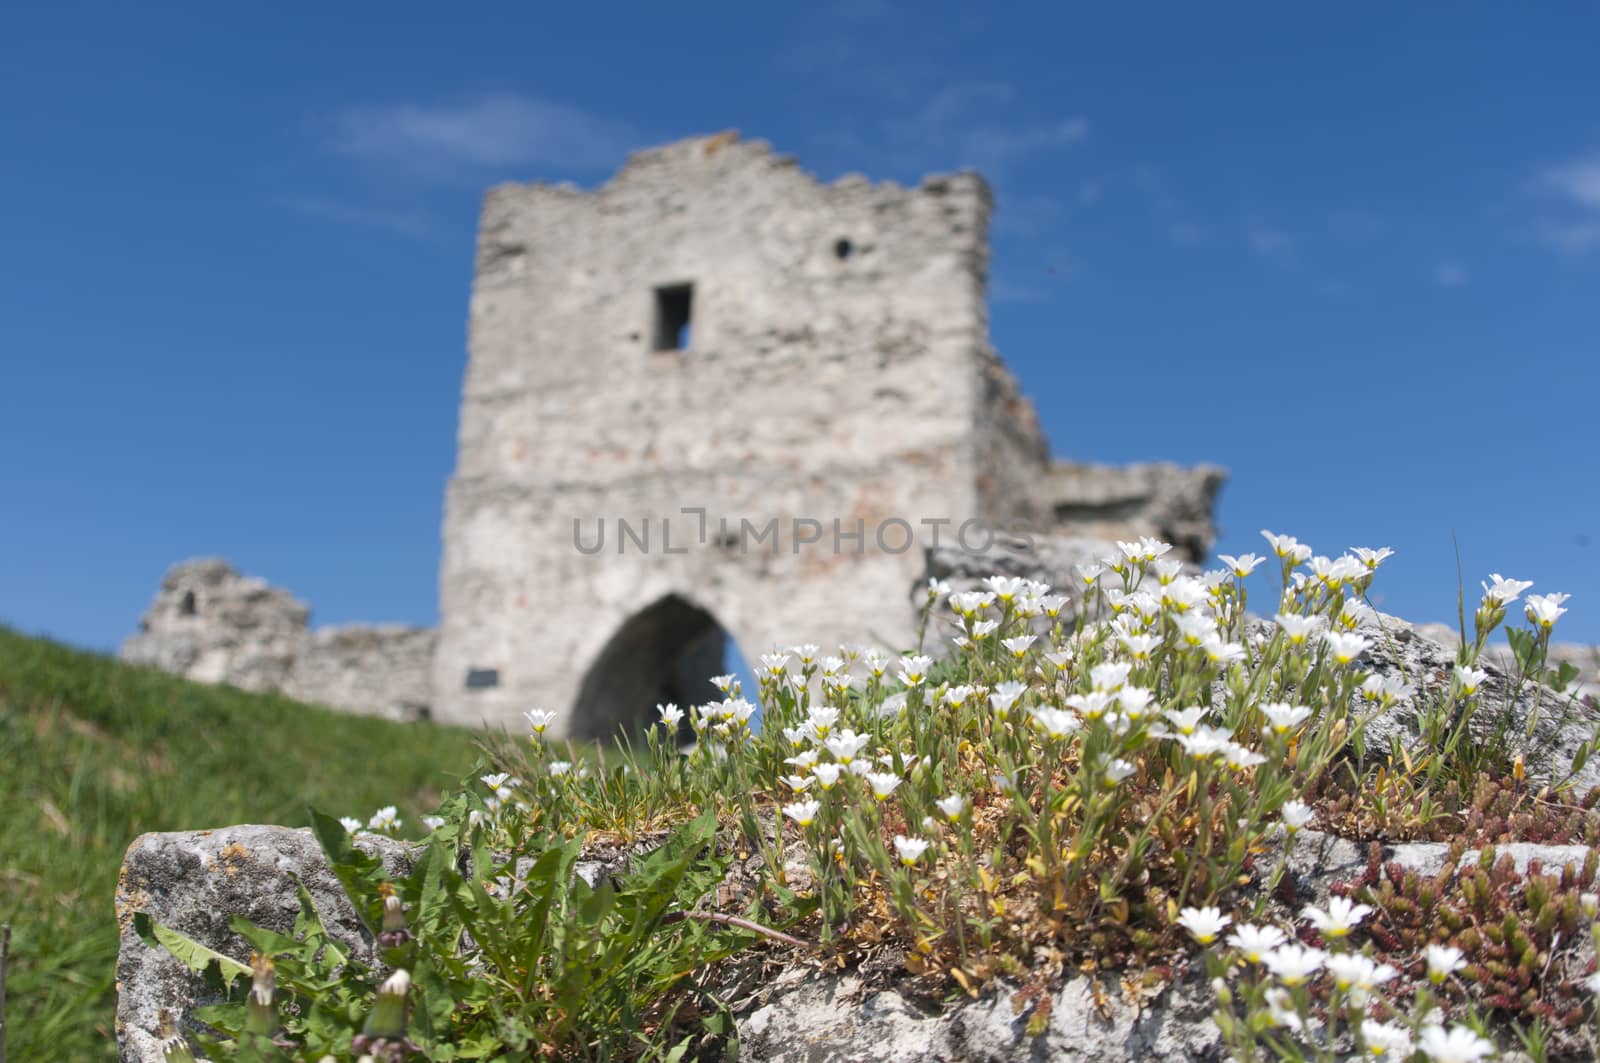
665,653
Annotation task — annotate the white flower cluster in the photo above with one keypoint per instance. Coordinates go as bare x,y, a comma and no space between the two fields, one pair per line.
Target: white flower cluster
1353,979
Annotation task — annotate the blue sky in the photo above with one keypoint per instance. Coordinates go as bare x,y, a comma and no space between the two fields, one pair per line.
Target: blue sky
1350,252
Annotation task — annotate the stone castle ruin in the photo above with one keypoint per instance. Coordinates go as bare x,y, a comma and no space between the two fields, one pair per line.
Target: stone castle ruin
713,400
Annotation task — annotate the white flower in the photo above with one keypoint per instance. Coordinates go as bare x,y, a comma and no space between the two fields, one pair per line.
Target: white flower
1287,546
1185,720
1385,689
1057,723
1470,678
774,663
968,603
1386,1039
1293,964
846,744
1545,609
1298,627
804,761
1240,757
1592,983
882,783
1118,770
984,628
1242,565
1196,629
1443,961
951,806
671,716
1457,1045
1354,613
937,588
1006,588
820,721
1296,814
1345,647
1220,652
799,783
827,774
1254,941
350,823
1205,742
433,822
1504,591
1059,659
539,720
558,768
1203,924
913,670
909,848
1109,676
1342,916
1089,572
386,818
803,812
1352,970
1284,717
1370,557
1092,706
1005,695
1139,647
1280,1010
495,781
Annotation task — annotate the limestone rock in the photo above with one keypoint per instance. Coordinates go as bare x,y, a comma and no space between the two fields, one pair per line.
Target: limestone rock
195,882
1561,724
833,1017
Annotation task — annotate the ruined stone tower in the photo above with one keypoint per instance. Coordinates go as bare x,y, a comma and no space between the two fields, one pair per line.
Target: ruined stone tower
712,399
712,329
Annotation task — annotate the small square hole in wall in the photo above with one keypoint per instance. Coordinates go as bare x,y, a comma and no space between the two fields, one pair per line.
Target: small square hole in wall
674,311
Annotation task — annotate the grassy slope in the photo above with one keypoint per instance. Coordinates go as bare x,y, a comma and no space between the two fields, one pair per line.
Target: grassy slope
94,752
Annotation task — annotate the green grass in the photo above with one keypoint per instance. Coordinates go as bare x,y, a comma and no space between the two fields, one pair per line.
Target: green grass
94,752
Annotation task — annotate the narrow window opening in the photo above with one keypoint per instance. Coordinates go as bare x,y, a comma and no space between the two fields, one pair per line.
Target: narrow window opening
482,678
674,310
843,249
187,607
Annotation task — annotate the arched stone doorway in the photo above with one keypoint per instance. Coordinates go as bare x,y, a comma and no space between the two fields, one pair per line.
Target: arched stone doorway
665,653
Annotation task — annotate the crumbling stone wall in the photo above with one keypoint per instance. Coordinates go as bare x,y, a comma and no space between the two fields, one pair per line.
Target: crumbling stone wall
211,624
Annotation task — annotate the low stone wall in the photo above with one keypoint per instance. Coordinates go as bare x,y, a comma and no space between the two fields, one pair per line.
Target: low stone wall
377,671
212,624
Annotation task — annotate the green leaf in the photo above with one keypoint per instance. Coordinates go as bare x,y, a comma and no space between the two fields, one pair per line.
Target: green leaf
358,873
191,953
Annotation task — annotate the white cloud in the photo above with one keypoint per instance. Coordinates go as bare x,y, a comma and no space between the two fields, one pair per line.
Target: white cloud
974,124
1577,181
416,224
1573,237
488,133
1268,242
1573,222
1450,274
